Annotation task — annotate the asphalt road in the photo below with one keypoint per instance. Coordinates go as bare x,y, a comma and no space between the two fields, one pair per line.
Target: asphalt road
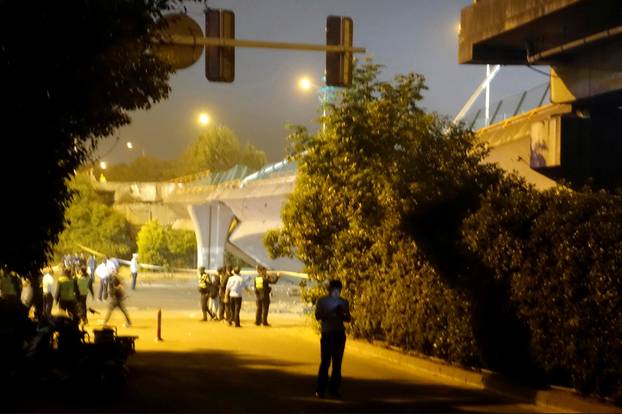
182,294
211,367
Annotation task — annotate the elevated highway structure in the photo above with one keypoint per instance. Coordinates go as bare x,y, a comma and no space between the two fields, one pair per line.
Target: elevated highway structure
577,138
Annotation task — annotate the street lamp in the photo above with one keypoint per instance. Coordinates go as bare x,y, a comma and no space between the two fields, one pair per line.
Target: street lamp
130,146
203,119
305,84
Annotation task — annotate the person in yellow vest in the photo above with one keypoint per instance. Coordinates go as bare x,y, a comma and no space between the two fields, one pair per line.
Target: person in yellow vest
262,294
85,285
10,287
67,294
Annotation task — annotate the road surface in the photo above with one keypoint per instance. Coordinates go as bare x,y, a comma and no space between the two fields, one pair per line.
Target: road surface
211,367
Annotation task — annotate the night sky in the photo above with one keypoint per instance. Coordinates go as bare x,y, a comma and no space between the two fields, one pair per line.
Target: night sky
403,35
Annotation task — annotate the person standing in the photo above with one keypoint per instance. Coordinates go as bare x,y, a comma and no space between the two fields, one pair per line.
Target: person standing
134,269
91,264
117,299
235,285
47,286
102,274
27,294
213,293
67,293
224,300
204,290
10,287
332,311
262,294
85,285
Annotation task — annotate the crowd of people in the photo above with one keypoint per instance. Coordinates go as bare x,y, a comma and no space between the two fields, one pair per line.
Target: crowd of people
222,292
221,299
69,287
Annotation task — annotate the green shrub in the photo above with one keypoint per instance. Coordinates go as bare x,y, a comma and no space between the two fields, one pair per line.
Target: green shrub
560,252
423,313
164,246
91,223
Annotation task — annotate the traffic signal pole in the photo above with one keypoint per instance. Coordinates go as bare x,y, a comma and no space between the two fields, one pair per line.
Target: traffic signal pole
181,42
257,44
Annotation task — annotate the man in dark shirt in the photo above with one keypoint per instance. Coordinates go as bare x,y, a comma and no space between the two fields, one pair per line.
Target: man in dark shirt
117,298
205,285
224,310
332,311
262,294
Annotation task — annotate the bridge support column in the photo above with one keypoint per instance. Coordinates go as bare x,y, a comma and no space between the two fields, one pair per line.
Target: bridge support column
211,226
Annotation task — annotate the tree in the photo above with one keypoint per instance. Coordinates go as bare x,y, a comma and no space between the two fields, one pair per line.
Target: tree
216,150
446,255
164,246
151,241
219,149
380,164
91,223
143,169
59,101
182,248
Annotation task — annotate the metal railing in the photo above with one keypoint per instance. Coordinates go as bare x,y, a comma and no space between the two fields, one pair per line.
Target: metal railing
508,107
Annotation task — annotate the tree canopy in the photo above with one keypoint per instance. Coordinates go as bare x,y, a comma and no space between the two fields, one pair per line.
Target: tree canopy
92,223
216,150
380,164
447,255
92,66
165,246
144,168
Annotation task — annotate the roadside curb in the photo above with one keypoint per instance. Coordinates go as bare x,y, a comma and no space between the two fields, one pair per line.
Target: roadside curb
556,398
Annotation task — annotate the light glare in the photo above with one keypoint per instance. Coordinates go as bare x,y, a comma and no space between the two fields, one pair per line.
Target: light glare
305,84
203,119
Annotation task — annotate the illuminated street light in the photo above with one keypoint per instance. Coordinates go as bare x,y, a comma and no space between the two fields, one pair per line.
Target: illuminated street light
305,84
203,119
103,165
131,146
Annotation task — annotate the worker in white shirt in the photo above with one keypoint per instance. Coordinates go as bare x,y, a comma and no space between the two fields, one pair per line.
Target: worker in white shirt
102,274
47,286
134,269
235,285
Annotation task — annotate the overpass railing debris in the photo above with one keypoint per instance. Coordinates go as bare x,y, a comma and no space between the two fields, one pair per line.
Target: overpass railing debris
508,107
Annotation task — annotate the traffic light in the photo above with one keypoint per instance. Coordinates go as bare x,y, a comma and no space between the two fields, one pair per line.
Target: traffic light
220,61
339,32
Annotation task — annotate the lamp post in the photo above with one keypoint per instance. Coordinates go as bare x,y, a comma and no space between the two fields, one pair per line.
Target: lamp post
132,146
203,119
102,165
305,84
